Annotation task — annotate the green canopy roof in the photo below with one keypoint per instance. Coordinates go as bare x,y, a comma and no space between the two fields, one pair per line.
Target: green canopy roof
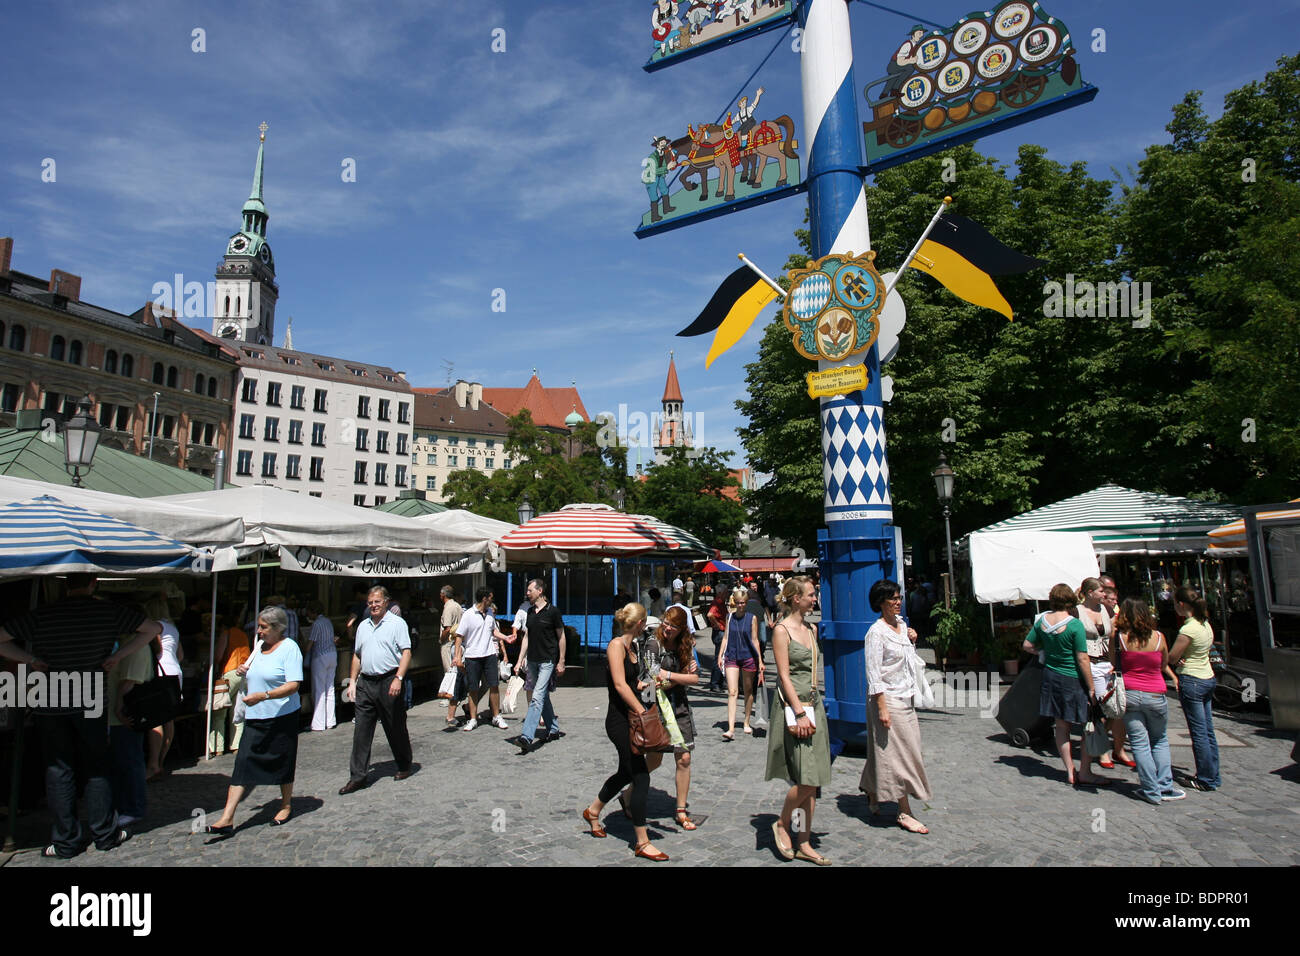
410,507
1123,520
25,454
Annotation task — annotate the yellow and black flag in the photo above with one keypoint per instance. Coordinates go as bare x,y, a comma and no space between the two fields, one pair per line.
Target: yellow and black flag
731,311
964,257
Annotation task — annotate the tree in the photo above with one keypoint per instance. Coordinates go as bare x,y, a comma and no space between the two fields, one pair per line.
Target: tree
689,490
544,473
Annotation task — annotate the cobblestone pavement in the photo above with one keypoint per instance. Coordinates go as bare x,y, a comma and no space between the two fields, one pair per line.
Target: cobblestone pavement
474,801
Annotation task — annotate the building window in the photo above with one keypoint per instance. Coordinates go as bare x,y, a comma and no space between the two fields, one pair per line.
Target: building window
359,501
245,463
359,473
209,433
363,406
173,376
319,404
246,426
291,467
492,443
295,432
471,462
9,398
451,461
399,475
403,412
415,459
272,431
317,469
297,396
430,483
385,406
17,338
196,428
318,434
381,473
248,392
432,439
199,381
379,500
159,373
106,415
75,352
471,442
453,440
401,443
128,366
381,443
505,463
124,419
212,387
363,439
431,459
59,347
489,463
273,393
268,464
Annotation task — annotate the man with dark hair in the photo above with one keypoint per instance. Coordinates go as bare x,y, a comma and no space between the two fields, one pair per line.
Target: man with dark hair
77,634
379,662
476,638
542,653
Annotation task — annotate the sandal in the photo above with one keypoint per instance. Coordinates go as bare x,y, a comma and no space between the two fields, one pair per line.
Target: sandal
593,819
659,856
905,818
729,735
50,852
684,820
748,730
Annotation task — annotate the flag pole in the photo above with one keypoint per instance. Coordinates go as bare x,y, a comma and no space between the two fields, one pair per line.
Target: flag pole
763,275
916,248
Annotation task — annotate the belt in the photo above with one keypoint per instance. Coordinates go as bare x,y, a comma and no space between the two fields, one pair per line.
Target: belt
390,674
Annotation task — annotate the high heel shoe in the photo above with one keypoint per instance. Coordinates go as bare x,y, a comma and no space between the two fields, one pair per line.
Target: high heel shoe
277,822
220,833
658,855
593,820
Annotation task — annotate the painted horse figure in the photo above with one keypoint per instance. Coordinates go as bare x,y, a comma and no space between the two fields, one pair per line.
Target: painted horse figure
718,147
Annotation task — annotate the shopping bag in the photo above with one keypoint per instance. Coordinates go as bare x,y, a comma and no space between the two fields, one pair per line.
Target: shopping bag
447,689
759,720
513,687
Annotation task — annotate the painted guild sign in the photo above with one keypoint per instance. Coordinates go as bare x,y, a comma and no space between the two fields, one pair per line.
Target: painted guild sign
681,29
989,71
741,162
377,563
833,306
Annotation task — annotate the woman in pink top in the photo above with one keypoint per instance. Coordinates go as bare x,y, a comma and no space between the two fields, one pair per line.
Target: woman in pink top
1140,653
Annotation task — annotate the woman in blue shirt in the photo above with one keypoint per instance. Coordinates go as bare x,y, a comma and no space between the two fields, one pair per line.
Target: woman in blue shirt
269,750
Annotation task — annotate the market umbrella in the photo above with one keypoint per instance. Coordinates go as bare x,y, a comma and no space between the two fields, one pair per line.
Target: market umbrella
45,536
718,565
1231,537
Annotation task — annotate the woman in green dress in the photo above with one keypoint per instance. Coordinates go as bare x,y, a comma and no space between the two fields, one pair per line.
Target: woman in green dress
799,747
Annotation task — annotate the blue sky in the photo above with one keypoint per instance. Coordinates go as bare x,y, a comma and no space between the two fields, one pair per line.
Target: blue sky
479,170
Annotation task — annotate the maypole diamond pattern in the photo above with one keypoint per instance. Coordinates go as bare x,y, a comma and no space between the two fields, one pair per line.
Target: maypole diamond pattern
853,441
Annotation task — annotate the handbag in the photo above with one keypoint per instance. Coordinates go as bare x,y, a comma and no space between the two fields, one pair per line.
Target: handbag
1115,702
923,693
154,702
647,733
221,698
504,671
1095,738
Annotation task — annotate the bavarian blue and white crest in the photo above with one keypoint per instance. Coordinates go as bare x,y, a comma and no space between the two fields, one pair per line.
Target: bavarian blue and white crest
811,295
834,306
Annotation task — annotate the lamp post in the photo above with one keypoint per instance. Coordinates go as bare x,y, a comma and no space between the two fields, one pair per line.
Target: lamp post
153,424
525,511
943,484
80,439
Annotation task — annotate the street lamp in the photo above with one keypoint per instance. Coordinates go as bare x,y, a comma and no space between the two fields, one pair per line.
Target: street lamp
943,484
80,439
525,511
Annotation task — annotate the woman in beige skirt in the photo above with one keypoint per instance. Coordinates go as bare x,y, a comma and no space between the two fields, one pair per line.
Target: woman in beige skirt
894,767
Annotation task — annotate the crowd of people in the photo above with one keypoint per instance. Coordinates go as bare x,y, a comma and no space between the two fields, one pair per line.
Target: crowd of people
1106,664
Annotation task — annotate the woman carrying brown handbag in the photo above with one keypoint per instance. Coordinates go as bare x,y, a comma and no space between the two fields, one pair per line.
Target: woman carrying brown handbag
624,700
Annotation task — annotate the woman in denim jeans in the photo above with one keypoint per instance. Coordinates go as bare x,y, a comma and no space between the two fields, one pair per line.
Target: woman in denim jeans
1191,656
1141,654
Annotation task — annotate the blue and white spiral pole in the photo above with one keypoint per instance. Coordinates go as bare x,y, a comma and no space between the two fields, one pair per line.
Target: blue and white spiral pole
857,546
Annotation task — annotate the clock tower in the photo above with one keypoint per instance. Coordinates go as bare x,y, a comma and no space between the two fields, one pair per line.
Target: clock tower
246,289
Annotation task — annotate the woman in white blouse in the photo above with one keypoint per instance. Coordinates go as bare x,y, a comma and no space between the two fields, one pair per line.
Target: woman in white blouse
894,767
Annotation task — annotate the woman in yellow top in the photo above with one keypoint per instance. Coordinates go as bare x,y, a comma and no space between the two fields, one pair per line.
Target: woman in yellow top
1190,656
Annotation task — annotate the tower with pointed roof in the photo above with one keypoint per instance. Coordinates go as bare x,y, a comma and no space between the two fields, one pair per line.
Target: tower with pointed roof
245,280
674,429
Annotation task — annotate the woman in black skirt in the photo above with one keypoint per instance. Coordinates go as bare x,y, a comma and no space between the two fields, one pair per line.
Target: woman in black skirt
269,750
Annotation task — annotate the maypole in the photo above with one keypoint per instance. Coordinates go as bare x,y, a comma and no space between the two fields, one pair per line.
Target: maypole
856,548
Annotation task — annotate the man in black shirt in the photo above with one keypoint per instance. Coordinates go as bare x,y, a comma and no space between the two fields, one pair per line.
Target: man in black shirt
76,635
543,654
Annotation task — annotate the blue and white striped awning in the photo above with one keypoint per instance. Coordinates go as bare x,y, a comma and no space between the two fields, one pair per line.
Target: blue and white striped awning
45,536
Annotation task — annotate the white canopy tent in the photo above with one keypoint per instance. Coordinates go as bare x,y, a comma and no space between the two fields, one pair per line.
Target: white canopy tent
1023,565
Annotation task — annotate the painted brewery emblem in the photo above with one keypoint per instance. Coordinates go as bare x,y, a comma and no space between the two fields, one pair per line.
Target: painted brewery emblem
834,306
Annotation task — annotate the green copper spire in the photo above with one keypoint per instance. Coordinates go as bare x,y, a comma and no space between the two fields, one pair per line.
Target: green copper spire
255,214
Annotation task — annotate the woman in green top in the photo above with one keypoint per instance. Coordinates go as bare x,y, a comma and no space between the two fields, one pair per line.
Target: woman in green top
800,751
1067,678
1190,655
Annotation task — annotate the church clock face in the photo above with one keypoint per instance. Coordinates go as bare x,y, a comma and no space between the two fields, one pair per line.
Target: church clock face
265,254
238,244
229,331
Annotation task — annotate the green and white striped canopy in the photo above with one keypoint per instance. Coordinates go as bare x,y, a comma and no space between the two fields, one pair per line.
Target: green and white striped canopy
1122,520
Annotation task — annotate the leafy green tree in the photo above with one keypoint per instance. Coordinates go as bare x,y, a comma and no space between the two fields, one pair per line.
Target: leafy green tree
544,473
689,490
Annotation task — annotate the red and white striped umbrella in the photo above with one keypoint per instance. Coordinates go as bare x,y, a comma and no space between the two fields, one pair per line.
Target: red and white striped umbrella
598,530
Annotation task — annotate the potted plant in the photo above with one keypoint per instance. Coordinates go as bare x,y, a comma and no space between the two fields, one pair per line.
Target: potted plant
951,633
